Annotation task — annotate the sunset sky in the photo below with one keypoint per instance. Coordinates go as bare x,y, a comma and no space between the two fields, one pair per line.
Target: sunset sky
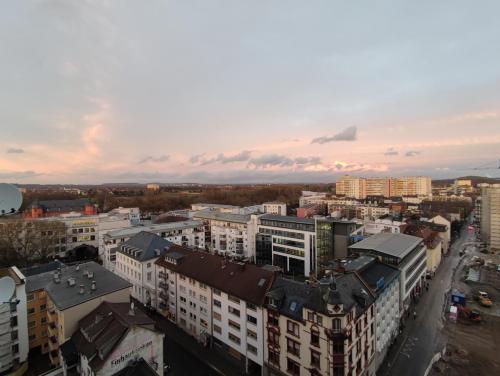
247,91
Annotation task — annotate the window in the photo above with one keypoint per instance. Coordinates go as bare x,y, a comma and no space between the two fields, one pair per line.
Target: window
182,278
252,349
337,325
252,319
233,299
31,311
148,276
217,303
203,286
292,328
233,338
183,299
274,358
204,323
273,338
43,320
314,337
272,318
32,337
31,324
293,347
315,359
148,265
203,299
234,311
292,367
43,307
251,306
234,325
217,329
183,310
251,334
30,297
217,316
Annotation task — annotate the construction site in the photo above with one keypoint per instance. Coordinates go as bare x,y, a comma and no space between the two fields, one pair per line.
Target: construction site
472,316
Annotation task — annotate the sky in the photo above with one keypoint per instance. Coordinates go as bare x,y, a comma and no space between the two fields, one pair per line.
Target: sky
226,91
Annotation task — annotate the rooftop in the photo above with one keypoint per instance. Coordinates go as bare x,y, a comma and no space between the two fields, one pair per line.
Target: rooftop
228,217
347,290
245,281
287,219
396,245
61,205
160,227
145,246
103,329
220,206
65,295
38,269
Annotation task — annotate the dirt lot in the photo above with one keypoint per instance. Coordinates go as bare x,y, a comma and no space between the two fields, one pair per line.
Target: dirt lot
473,348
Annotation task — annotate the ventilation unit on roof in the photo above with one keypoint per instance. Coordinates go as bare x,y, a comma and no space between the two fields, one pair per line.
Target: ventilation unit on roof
90,275
71,281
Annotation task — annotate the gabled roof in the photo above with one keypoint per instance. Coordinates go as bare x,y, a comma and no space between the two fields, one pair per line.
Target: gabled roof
245,281
104,328
145,246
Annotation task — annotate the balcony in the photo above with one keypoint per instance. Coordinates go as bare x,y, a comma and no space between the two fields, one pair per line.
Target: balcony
163,306
162,275
339,335
52,329
54,357
51,315
164,296
163,285
273,328
53,344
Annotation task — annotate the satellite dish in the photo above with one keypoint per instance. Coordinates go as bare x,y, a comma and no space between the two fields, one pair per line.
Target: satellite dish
10,199
7,288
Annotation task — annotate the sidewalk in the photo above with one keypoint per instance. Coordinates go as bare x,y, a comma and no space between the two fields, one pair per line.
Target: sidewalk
208,356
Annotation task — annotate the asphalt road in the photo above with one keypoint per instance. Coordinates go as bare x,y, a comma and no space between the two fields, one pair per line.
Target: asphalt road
411,354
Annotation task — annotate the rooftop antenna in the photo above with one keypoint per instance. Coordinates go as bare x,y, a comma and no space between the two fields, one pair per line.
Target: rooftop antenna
7,288
10,199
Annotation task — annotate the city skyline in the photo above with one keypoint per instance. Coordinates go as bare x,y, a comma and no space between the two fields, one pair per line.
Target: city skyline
236,93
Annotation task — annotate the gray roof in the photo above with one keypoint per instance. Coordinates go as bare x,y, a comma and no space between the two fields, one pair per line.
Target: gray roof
161,227
145,246
288,219
38,269
62,204
229,217
349,291
65,296
396,245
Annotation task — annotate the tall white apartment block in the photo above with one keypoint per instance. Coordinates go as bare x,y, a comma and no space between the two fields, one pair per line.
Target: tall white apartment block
490,215
276,208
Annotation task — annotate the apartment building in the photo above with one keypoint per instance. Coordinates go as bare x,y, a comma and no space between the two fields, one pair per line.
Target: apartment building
228,234
490,215
188,233
360,188
217,301
322,329
114,339
71,292
286,242
432,241
276,208
407,253
13,323
383,281
135,260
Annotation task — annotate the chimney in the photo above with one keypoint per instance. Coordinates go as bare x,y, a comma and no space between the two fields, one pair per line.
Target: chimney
94,287
131,312
82,290
90,275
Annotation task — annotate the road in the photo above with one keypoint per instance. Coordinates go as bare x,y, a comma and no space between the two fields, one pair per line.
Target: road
421,338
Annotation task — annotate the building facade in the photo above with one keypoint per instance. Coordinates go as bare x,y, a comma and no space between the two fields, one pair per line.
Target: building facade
276,208
490,215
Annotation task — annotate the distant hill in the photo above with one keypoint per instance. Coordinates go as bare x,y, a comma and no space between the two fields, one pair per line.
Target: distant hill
475,180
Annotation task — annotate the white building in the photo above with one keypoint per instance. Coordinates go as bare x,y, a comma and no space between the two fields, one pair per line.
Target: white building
405,252
490,215
227,233
135,263
287,242
114,338
276,208
189,233
383,281
215,300
14,343
382,225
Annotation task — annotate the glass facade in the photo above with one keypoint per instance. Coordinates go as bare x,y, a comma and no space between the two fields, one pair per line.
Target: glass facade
324,245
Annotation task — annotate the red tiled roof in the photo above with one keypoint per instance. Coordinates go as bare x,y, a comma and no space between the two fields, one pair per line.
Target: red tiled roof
245,281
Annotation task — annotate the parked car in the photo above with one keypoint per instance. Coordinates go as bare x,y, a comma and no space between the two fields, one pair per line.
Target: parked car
484,299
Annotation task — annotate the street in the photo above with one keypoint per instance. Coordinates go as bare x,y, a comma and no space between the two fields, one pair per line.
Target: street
412,352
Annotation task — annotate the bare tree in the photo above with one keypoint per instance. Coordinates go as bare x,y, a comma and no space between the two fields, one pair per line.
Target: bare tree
23,242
